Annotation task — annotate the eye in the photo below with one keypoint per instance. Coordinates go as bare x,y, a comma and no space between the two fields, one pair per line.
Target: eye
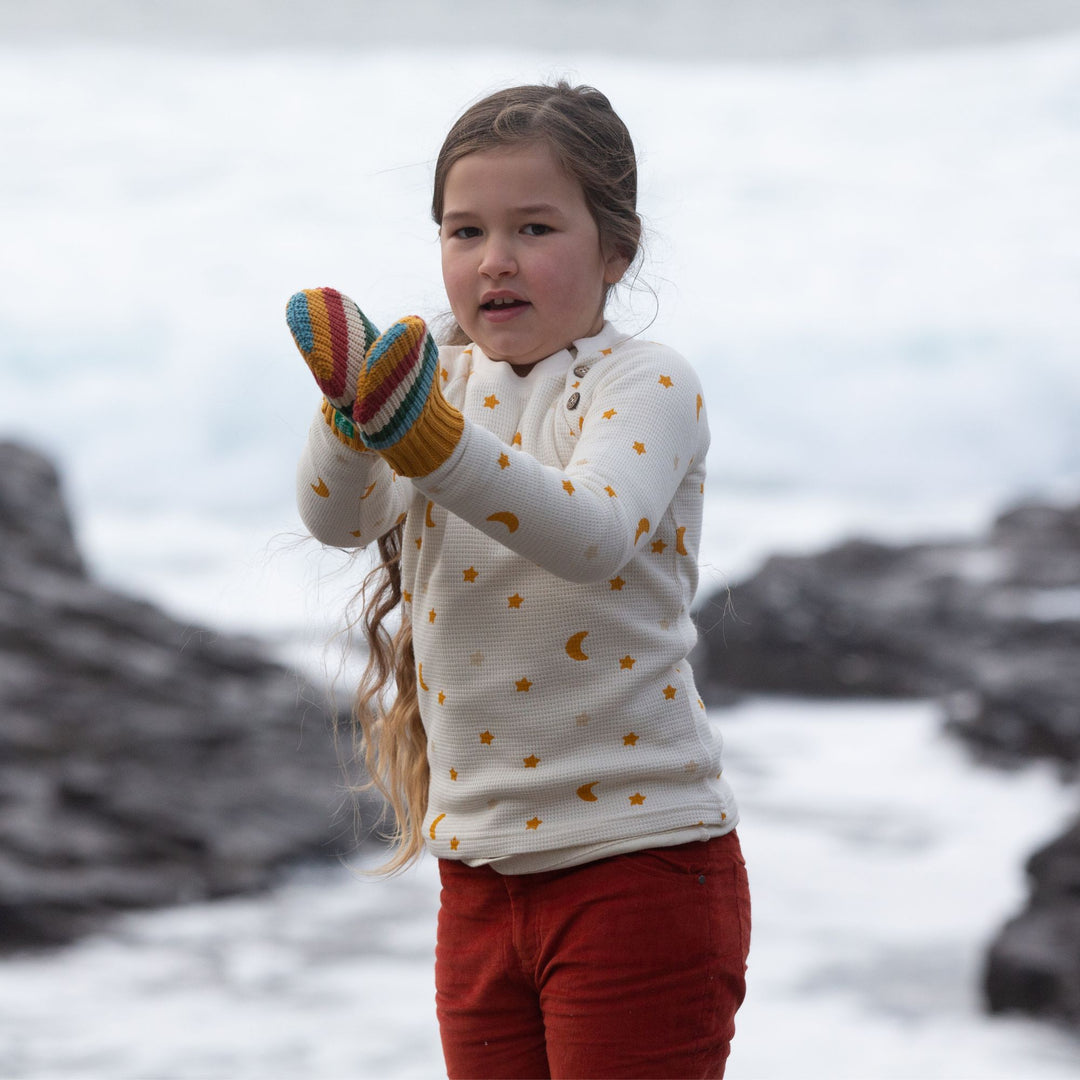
466,232
537,230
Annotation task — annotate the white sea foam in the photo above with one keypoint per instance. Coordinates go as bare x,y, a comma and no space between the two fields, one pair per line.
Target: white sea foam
872,263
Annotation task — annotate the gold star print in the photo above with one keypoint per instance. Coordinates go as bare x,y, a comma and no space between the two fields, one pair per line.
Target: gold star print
582,719
626,663
609,413
515,601
605,352
523,686
658,546
419,542
690,767
616,584
442,697
444,374
406,596
700,703
453,843
487,738
533,823
516,440
568,487
630,739
637,799
490,401
531,761
504,462
699,404
670,692
665,380
431,615
639,447
470,574
610,490
453,774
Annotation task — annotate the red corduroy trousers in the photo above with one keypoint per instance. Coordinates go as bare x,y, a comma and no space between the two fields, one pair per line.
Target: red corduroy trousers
631,966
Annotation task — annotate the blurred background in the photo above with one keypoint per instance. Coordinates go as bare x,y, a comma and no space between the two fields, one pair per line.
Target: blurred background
862,229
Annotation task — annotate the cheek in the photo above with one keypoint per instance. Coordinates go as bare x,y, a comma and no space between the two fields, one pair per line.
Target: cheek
581,290
453,280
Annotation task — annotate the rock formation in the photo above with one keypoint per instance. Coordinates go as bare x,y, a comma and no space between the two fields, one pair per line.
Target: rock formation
143,761
991,627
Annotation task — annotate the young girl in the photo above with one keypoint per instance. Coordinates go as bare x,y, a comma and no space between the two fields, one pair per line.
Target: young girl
535,488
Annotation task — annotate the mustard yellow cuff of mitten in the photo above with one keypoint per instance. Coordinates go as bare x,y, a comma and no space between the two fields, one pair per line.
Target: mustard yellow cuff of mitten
342,427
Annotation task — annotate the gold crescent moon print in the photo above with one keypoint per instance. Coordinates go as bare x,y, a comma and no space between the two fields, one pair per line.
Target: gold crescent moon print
506,518
573,646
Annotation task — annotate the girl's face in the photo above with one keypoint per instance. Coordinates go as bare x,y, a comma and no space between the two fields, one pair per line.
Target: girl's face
521,256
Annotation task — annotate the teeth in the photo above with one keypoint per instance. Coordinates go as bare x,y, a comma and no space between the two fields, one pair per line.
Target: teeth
502,301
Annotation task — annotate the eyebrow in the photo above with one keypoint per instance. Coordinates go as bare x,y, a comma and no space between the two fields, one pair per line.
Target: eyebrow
541,209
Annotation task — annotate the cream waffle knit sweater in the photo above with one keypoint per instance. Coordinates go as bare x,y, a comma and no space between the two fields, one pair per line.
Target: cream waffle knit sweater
548,569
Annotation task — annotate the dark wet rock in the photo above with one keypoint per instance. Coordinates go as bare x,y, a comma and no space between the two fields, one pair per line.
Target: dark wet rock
1033,965
991,628
143,761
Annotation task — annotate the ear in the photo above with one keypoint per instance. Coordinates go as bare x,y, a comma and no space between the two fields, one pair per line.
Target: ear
615,265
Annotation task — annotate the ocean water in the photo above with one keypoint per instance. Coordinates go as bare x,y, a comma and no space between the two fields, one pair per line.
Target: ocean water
870,914
873,262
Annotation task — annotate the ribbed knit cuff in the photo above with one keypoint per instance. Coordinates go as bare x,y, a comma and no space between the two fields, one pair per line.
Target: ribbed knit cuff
342,427
429,441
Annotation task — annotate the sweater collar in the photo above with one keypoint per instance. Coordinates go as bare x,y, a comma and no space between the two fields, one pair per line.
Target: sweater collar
558,363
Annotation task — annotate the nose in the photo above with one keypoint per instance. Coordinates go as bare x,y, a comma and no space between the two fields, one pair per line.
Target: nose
498,258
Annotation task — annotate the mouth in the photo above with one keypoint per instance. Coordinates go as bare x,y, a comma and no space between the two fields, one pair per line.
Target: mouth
503,303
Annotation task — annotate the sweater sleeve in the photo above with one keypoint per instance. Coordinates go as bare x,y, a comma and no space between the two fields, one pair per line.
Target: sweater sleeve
643,428
346,498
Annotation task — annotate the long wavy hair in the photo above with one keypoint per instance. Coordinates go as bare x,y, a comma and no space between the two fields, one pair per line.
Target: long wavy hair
593,146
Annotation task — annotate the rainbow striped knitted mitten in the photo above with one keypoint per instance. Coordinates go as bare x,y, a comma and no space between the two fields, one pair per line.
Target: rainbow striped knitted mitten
381,392
333,336
399,407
